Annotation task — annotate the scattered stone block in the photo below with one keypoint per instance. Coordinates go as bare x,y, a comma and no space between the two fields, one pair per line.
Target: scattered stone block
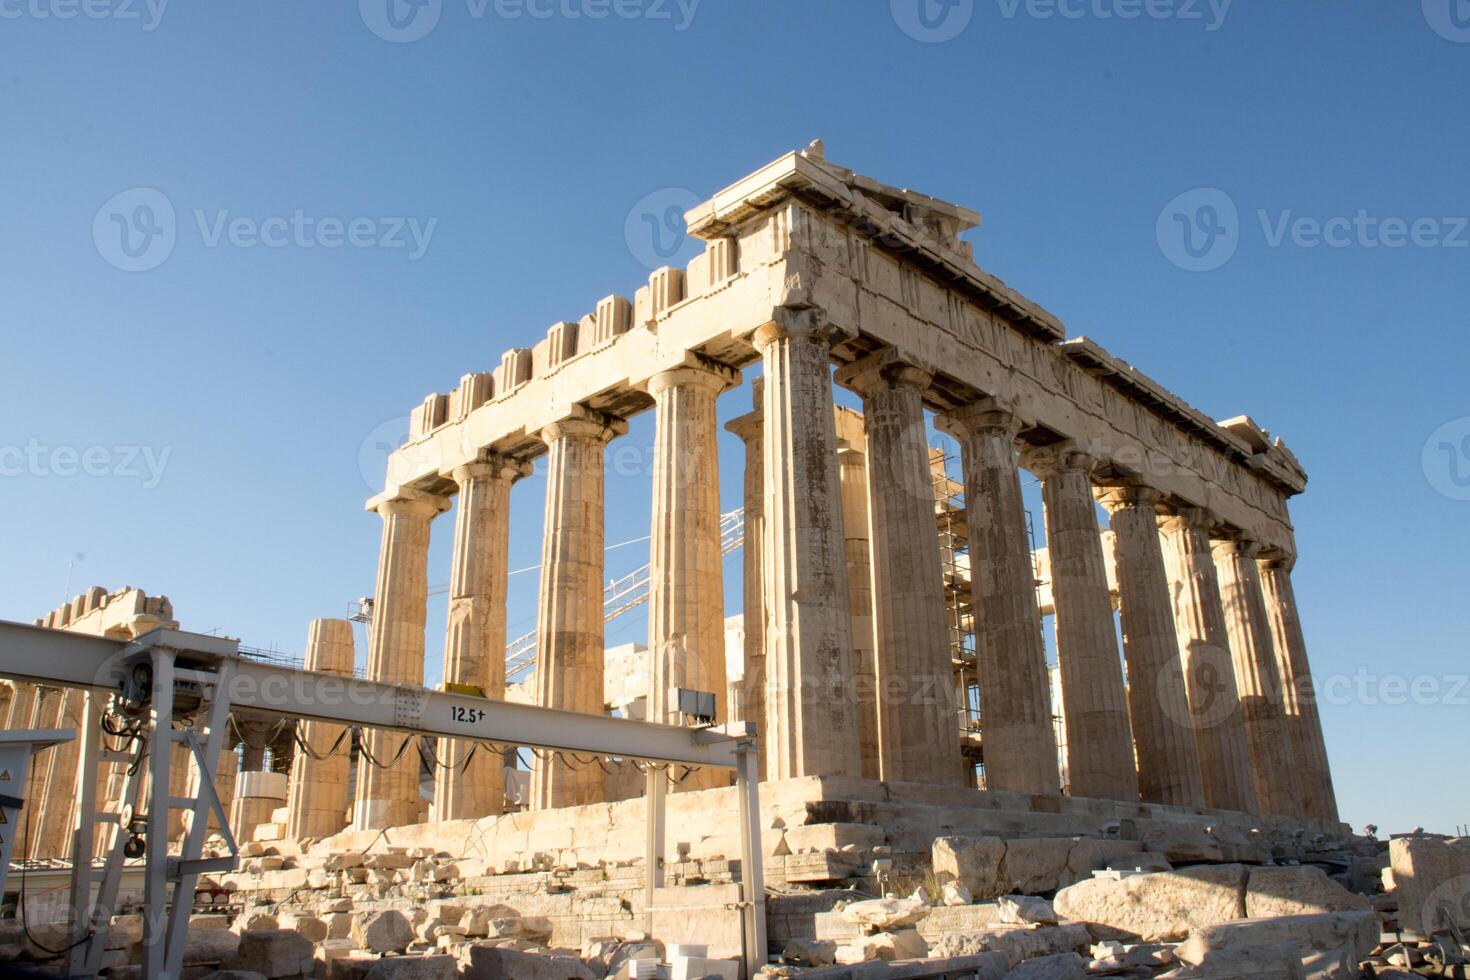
1016,945
1035,865
1301,890
903,944
886,914
809,952
486,962
1061,966
955,894
1157,907
255,921
385,931
1327,947
273,953
1026,910
973,862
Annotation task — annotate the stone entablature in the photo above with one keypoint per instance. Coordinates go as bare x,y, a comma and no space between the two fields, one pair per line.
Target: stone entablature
803,232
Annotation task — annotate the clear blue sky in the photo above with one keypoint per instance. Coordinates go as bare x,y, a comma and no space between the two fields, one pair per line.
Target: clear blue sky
268,374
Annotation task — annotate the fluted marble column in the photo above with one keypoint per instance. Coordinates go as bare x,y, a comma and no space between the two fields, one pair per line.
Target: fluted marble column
569,657
389,796
750,428
811,720
686,582
1099,737
857,551
1257,677
1299,694
1158,705
918,728
1209,675
471,782
317,795
1015,692
55,819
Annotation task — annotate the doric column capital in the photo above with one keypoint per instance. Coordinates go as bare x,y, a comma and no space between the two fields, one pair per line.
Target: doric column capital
1129,495
700,372
411,503
883,369
1060,457
1183,517
796,321
748,427
1238,546
988,415
491,466
587,423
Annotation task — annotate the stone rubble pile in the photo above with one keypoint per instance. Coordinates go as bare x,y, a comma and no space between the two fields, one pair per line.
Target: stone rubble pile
1175,902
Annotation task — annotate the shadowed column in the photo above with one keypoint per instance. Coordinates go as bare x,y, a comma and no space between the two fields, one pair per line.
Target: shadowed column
1257,678
1158,707
1209,675
750,428
1015,694
1299,695
569,657
918,729
471,782
1099,737
811,720
686,582
389,796
852,475
317,797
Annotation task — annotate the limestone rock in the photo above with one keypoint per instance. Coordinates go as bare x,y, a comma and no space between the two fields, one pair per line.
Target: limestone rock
1026,910
1035,865
809,952
1062,966
1158,907
1329,946
414,968
972,862
956,894
903,944
309,926
1270,892
273,953
1110,958
253,921
1277,961
886,914
1017,945
491,963
382,932
201,946
1432,877
234,975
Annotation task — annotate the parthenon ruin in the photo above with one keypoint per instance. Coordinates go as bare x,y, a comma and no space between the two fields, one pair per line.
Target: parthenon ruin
892,650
